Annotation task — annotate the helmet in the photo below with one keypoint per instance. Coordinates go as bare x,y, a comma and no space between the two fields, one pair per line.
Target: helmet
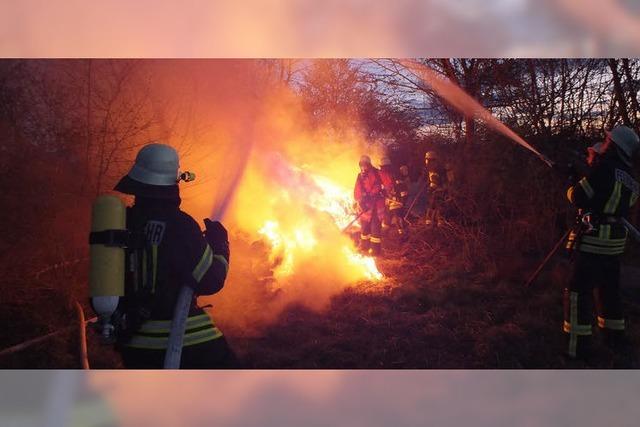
154,173
385,161
430,155
365,160
626,141
156,164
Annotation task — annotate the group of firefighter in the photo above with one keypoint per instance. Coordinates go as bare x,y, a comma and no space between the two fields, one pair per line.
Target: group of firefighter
382,198
176,253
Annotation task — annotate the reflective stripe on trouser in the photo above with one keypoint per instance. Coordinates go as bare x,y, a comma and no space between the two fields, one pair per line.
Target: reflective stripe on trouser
575,323
154,334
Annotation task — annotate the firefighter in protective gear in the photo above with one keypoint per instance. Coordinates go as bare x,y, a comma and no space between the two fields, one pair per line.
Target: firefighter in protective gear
603,197
436,177
393,202
169,251
369,194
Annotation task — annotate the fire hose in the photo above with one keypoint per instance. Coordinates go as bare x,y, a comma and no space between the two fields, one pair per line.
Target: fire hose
178,324
83,345
344,230
557,246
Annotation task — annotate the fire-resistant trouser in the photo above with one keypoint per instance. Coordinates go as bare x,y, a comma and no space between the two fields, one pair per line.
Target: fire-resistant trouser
370,235
395,214
595,276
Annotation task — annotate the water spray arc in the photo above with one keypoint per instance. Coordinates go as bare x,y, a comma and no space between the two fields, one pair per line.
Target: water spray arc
464,103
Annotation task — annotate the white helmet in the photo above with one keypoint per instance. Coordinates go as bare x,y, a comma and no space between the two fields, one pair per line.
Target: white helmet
156,164
626,141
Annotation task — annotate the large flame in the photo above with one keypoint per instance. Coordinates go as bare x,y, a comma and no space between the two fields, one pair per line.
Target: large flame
295,240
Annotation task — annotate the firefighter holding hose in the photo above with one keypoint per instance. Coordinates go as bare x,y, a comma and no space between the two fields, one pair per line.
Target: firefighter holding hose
164,249
604,198
369,195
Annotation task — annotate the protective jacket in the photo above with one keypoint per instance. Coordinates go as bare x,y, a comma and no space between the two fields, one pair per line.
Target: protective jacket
369,190
172,252
605,195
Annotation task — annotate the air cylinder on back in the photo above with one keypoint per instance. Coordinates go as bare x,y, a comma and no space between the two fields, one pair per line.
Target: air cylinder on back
107,258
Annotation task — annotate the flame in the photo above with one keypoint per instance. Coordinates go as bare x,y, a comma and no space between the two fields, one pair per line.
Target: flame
295,239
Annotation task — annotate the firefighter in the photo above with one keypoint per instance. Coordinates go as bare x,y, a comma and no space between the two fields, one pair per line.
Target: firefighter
603,197
369,195
394,202
436,177
172,251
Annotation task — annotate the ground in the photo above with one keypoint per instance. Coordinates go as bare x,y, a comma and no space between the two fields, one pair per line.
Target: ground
428,313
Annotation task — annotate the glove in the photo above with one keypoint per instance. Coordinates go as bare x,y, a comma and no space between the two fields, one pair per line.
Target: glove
217,237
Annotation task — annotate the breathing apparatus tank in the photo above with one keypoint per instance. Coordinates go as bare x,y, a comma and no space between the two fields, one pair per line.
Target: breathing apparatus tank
107,241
